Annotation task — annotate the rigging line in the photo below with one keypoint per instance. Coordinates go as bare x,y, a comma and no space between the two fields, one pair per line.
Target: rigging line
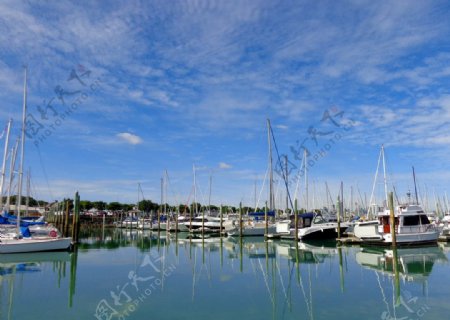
282,282
298,175
282,170
265,277
45,172
382,292
262,189
171,190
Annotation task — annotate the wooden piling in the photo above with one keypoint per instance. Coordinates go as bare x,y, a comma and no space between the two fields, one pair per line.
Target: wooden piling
339,217
66,221
392,219
221,221
240,219
296,220
266,218
76,218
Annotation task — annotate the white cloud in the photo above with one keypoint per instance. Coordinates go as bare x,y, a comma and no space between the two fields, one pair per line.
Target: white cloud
223,165
129,138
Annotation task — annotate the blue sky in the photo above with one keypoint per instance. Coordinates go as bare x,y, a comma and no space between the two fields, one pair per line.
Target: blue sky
165,85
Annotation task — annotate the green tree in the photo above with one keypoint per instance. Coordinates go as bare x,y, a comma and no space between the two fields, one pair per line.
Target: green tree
99,205
114,206
86,205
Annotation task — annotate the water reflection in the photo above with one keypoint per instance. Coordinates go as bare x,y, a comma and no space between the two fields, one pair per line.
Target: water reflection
222,277
414,264
17,269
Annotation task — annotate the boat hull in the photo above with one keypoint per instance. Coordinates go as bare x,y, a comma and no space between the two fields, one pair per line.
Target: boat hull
34,245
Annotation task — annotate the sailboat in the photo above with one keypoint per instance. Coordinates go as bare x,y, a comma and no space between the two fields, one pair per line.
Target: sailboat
256,226
21,241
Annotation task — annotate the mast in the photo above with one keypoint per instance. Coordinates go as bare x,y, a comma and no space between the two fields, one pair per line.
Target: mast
195,190
166,178
351,199
2,181
369,207
287,180
415,186
342,200
271,196
305,156
210,190
384,175
27,204
22,150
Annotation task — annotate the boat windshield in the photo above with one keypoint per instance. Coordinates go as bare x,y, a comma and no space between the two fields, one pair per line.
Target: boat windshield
319,219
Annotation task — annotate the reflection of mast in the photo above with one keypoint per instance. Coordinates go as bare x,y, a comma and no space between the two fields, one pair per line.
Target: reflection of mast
341,268
73,276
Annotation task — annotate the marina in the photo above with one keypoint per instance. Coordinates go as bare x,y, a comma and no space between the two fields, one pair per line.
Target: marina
225,277
215,159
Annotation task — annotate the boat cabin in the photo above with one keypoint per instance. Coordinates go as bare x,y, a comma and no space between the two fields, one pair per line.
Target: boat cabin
408,219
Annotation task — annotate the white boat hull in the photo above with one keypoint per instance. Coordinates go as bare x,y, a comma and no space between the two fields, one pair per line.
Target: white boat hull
34,245
367,230
248,231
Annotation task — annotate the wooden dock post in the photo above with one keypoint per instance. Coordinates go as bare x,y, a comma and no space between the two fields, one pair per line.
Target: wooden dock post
392,219
65,229
266,217
240,219
339,217
221,220
296,220
76,218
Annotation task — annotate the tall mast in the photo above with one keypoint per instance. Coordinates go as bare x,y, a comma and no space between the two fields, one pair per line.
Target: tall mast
271,195
195,190
22,150
287,180
384,176
351,199
210,191
166,178
5,154
27,204
305,157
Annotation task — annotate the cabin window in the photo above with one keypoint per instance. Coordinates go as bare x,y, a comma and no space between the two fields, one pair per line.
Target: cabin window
307,222
424,219
319,219
411,221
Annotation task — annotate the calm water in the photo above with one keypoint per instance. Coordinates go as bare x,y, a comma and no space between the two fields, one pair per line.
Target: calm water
123,275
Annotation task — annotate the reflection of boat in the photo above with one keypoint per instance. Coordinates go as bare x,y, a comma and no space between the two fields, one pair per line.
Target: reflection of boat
129,222
35,257
254,248
414,263
314,252
29,262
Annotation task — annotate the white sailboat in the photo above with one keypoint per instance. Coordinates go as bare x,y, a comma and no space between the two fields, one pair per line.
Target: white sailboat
17,242
255,227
